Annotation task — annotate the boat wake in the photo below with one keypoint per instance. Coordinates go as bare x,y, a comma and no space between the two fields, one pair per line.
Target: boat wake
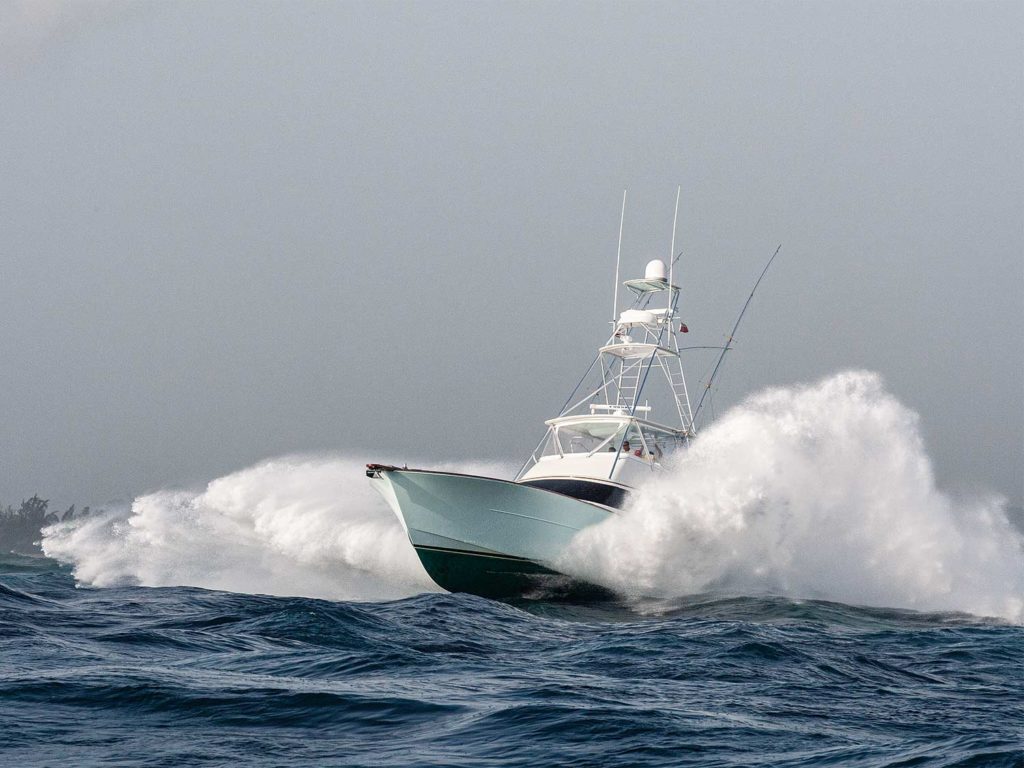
821,491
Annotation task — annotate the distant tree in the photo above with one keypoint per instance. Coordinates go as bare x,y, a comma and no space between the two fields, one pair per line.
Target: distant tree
20,529
34,508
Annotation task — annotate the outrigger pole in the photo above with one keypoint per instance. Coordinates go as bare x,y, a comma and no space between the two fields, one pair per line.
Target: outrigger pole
732,336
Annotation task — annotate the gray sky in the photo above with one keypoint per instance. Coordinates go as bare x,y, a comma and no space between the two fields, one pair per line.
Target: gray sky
234,230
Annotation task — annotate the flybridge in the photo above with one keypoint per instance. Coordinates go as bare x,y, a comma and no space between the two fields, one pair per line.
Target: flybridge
605,429
643,344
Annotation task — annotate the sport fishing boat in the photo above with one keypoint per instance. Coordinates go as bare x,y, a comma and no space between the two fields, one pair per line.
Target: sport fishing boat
498,538
502,538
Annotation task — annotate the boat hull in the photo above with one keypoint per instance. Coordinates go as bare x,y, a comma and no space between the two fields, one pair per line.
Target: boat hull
489,575
487,536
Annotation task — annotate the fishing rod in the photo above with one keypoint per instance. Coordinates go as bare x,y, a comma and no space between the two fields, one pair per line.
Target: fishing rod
732,336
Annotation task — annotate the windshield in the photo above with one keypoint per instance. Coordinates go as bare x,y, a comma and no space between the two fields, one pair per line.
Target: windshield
581,438
588,437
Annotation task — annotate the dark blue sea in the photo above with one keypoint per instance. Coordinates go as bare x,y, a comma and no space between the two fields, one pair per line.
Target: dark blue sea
184,676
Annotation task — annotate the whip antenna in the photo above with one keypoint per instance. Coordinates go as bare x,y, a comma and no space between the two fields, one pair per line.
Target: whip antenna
672,248
732,335
618,257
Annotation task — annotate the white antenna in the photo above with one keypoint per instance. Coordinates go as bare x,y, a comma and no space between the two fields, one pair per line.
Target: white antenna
618,257
672,250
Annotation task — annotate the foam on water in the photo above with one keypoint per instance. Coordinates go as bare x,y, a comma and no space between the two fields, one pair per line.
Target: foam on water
819,491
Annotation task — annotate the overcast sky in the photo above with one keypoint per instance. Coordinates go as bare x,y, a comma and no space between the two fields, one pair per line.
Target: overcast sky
232,230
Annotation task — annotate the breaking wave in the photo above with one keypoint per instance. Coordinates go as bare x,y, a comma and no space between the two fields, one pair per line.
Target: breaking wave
819,491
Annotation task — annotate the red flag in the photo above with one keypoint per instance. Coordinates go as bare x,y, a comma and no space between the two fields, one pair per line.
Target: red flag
683,328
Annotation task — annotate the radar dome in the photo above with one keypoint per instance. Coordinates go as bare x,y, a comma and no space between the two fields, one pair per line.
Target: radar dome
655,270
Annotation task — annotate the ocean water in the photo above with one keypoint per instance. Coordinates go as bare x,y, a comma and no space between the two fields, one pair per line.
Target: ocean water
797,590
182,676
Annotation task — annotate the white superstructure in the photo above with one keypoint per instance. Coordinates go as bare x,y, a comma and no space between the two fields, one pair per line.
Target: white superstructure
632,407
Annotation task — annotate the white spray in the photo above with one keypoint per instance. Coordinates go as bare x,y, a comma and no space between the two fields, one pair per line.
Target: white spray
308,526
822,491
